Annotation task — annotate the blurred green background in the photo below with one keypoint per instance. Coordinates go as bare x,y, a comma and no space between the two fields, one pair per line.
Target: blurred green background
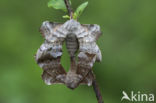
128,46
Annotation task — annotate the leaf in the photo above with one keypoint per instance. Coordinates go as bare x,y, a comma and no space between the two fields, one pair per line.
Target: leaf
80,9
70,2
66,17
57,4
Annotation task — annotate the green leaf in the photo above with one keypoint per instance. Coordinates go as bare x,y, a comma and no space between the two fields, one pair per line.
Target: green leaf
66,17
57,4
80,9
70,2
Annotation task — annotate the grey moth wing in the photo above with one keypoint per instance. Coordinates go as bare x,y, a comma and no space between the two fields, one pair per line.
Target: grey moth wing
49,54
84,67
89,52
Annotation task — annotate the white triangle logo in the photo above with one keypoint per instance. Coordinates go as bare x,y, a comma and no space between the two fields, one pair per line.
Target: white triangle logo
125,96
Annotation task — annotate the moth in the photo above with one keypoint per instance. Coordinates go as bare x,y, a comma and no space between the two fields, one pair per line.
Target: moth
79,38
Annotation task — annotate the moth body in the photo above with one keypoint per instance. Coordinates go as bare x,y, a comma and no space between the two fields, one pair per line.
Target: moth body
72,44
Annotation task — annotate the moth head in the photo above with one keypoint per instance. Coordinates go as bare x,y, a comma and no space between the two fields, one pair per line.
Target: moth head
71,25
72,80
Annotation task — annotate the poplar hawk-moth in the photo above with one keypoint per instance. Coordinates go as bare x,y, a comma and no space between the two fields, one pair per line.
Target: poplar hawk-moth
79,38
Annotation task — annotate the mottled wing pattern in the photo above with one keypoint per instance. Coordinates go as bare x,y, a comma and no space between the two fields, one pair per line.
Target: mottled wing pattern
77,36
49,54
84,67
89,52
88,42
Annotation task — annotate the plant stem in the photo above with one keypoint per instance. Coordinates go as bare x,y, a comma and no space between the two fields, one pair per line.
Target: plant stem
97,91
68,6
73,63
